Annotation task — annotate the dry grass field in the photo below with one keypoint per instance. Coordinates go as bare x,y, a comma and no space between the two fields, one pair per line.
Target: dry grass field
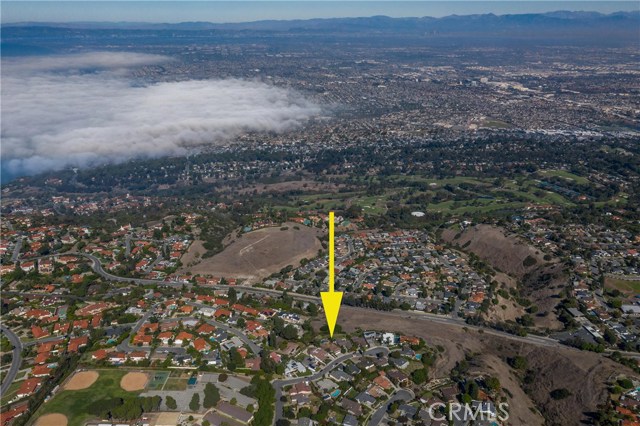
260,253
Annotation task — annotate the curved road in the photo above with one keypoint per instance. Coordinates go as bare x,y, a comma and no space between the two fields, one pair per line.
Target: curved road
531,339
16,361
399,395
126,347
278,384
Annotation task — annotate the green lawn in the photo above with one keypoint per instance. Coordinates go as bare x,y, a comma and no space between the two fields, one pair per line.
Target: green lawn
581,180
376,204
75,403
511,195
13,389
441,182
483,205
627,287
175,384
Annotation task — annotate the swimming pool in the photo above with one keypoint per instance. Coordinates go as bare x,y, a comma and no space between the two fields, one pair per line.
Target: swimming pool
336,393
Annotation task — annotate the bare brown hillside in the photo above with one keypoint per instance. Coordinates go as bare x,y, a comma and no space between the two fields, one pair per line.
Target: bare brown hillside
540,280
506,253
583,374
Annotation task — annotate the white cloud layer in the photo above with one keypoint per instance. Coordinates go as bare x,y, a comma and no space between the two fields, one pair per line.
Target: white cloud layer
54,115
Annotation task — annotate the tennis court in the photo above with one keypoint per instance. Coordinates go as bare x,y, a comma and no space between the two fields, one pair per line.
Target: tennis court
157,379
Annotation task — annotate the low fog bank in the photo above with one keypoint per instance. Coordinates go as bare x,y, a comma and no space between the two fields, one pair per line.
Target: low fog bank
84,110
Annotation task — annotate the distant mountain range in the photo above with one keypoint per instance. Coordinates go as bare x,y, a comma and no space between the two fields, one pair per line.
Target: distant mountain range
485,23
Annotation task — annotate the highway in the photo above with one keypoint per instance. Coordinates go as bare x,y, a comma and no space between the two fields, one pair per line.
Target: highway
16,360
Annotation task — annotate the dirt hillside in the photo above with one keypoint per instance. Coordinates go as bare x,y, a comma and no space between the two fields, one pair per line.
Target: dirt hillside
539,280
584,374
504,252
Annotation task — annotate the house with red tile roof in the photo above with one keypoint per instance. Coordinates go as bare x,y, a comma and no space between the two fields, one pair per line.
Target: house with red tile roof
77,342
93,309
186,309
200,345
410,340
39,332
49,320
37,314
383,382
252,325
6,417
182,337
42,357
49,346
7,268
222,313
245,310
142,339
28,387
252,363
165,336
96,321
81,324
137,356
206,329
61,328
259,334
150,327
204,298
117,357
40,371
98,355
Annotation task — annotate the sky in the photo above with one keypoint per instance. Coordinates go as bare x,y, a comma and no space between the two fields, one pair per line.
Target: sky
244,11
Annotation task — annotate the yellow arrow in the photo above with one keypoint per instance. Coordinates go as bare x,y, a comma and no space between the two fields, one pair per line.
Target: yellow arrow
331,299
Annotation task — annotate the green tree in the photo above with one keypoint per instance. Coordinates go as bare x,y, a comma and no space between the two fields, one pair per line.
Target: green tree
290,332
194,405
171,403
211,395
233,295
493,383
419,376
518,362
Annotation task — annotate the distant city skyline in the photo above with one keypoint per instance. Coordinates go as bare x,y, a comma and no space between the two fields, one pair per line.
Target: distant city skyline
244,11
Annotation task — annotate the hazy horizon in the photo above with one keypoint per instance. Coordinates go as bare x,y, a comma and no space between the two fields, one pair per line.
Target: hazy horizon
247,11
